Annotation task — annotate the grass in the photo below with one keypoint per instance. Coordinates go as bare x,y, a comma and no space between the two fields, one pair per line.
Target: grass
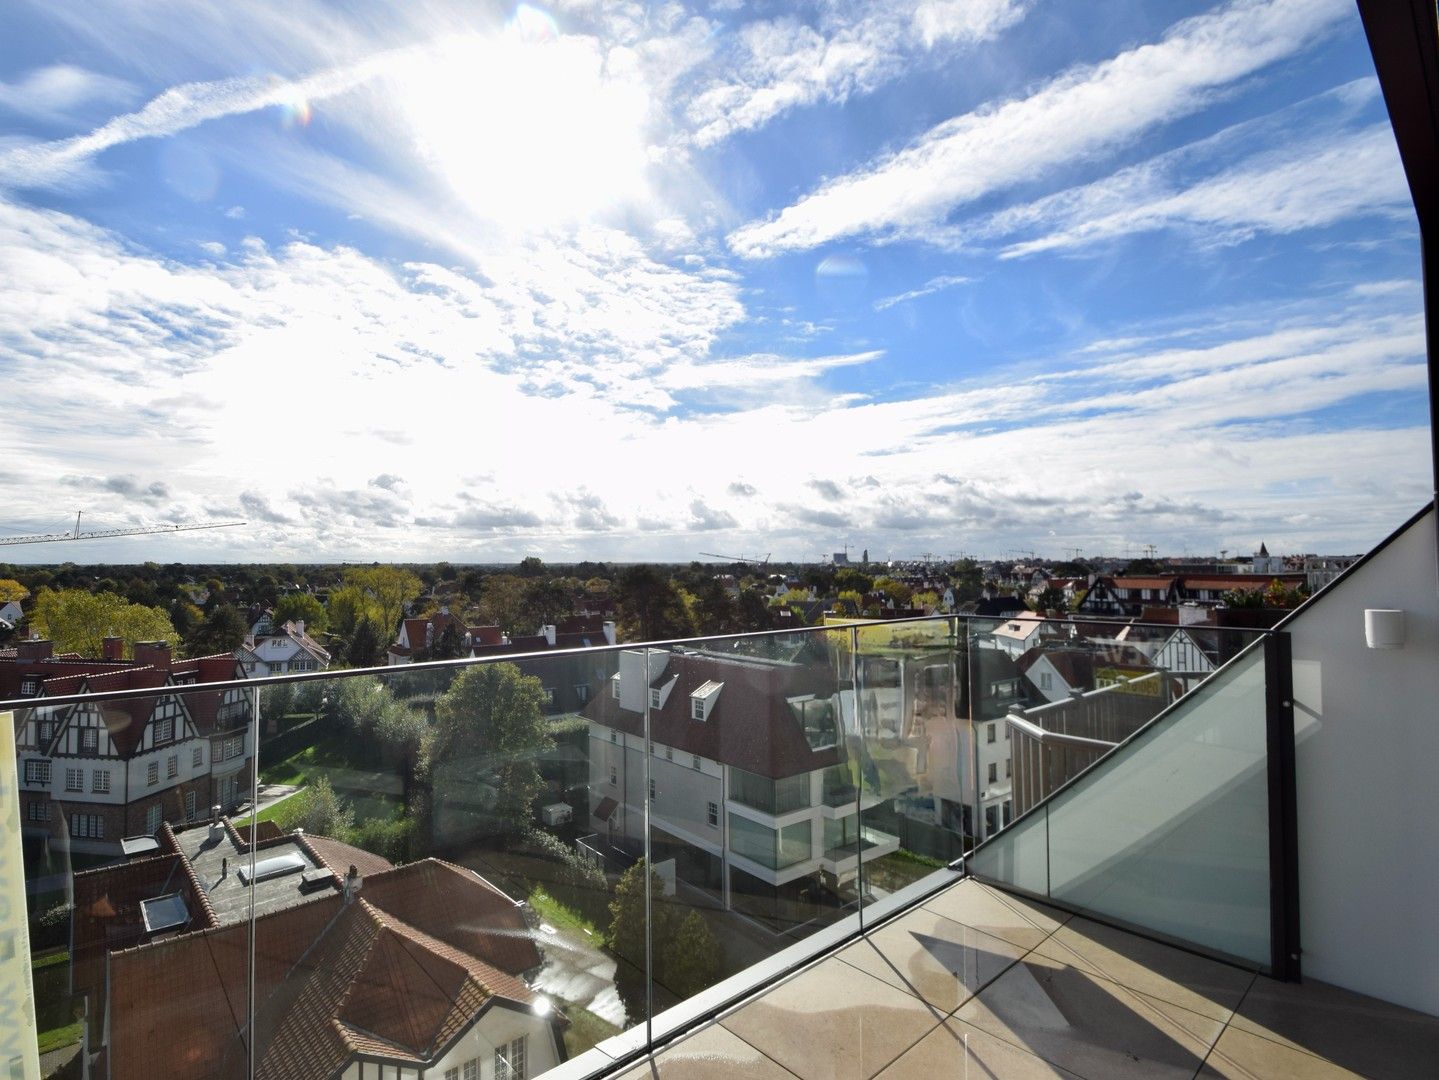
66,1035
585,1030
562,915
280,812
46,960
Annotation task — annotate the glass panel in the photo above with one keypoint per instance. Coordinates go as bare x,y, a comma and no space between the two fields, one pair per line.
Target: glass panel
745,735
484,816
1170,833
1173,834
915,750
1019,858
113,799
1097,680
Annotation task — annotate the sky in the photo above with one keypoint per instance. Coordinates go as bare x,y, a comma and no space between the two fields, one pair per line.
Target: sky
623,280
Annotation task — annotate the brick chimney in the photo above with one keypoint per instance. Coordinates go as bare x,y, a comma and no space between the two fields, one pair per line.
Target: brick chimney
34,649
113,648
154,654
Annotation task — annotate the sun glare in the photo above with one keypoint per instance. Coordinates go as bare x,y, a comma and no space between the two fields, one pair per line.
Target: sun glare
529,127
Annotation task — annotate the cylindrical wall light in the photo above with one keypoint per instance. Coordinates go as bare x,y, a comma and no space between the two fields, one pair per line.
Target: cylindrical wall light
1384,628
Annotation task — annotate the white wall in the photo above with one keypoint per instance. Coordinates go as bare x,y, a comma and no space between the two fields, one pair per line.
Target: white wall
1367,731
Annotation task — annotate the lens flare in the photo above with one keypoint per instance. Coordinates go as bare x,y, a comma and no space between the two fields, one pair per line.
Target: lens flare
533,25
295,109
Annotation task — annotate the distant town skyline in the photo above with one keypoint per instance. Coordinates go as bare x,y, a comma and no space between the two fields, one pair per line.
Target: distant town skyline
470,282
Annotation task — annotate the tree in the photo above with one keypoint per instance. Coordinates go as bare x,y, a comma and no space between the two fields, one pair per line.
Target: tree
350,606
1050,599
687,957
530,566
849,602
490,731
753,613
714,610
297,606
503,602
10,589
546,601
78,621
390,587
223,630
326,814
849,580
364,647
897,591
652,607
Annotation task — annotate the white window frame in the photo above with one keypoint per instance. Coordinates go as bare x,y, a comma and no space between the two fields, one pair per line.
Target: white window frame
152,774
197,758
37,771
74,780
100,782
172,766
92,736
154,815
712,814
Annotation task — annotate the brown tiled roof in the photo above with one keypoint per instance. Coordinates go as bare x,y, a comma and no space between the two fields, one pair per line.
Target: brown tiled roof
459,908
339,857
1143,582
398,973
750,726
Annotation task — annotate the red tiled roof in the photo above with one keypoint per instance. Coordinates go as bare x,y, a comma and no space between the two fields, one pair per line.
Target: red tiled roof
339,857
750,726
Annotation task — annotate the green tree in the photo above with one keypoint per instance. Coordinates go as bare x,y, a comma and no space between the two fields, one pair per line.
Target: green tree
652,607
390,587
714,609
502,602
530,566
897,591
10,589
297,606
690,957
325,813
849,602
365,647
847,579
490,731
223,630
687,958
1051,599
78,621
753,612
546,601
348,607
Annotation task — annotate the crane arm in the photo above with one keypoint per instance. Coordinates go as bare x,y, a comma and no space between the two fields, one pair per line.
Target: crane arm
98,534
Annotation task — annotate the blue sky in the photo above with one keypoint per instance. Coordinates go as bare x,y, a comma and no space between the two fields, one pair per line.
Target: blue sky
625,280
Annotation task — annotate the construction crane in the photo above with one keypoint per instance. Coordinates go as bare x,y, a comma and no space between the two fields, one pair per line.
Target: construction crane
742,559
101,534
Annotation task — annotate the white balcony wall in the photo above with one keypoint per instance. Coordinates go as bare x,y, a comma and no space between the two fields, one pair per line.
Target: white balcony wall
1367,733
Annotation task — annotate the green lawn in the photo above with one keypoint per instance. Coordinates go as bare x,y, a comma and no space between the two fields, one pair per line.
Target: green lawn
557,914
585,1030
54,1012
57,1037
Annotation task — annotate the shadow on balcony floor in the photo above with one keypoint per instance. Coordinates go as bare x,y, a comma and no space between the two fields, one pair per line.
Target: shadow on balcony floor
980,983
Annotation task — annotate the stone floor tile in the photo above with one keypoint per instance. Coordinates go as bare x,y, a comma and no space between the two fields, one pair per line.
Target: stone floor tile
1021,922
1238,1055
1162,971
959,1050
942,961
1363,1034
712,1053
833,1022
1090,1025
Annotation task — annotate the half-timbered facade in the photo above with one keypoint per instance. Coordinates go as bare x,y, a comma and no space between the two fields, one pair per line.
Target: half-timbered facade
95,772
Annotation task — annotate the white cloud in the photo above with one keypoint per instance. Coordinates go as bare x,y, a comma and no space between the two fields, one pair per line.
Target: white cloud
1079,114
1306,184
56,92
929,288
774,65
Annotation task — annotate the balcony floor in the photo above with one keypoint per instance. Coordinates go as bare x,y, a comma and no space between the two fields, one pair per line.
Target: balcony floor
980,983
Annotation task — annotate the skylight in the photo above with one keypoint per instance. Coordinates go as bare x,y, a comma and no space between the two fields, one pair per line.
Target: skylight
164,912
279,866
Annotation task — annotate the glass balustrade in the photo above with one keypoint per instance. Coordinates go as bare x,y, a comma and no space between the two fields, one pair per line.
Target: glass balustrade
522,860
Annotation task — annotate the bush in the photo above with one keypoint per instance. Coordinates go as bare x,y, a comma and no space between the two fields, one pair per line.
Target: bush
390,838
50,928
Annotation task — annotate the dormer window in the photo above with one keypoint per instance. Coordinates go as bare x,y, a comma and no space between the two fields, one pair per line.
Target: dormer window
30,686
654,699
703,700
697,708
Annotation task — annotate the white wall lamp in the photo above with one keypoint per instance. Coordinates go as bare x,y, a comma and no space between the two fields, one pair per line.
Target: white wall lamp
1384,628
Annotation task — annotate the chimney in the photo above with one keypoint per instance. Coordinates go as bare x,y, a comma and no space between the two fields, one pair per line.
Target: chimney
352,883
299,626
609,631
217,826
154,654
34,649
113,648
548,631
